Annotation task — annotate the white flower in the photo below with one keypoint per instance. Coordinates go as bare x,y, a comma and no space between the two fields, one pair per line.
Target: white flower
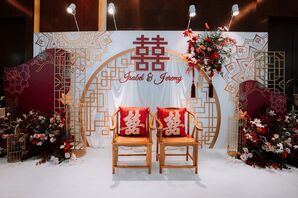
245,150
31,112
295,146
276,136
271,113
268,147
8,114
243,157
279,148
41,117
205,61
67,155
61,125
288,150
19,120
287,119
193,60
257,122
24,115
52,139
55,160
62,146
52,120
58,117
288,141
39,143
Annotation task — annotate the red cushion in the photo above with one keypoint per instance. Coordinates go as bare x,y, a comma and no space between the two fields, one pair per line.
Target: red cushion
173,121
133,121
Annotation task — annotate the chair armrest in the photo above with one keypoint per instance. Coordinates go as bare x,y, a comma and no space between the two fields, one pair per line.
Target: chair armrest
197,126
159,127
114,125
151,120
158,122
114,121
196,129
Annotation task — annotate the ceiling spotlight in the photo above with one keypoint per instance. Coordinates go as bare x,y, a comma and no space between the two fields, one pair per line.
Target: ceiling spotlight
71,9
111,9
192,11
235,10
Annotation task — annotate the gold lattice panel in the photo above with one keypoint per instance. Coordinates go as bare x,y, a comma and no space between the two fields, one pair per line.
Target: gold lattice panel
97,115
270,70
69,81
207,109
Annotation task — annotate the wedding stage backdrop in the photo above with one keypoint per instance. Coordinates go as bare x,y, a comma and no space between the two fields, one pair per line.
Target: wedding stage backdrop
147,68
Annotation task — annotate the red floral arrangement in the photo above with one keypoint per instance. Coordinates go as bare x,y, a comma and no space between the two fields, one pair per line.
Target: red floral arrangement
48,138
208,51
270,140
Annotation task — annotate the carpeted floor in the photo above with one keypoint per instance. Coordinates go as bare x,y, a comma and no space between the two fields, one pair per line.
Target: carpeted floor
90,176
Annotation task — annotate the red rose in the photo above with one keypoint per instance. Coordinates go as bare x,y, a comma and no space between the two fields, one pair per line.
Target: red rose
262,130
214,55
187,32
207,39
34,142
190,64
284,154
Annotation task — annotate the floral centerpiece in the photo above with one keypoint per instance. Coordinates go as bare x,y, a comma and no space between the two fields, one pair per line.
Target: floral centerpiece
48,136
270,140
208,51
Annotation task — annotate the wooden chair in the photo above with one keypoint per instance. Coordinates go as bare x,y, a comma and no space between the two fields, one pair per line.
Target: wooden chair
131,141
187,141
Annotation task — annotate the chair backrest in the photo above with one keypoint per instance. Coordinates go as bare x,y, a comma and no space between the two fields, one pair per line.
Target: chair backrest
254,96
180,127
133,121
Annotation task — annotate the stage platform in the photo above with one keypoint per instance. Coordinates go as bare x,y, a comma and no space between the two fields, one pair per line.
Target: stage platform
90,176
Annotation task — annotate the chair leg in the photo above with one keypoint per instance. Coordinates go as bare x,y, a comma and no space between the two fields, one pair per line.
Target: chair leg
114,158
187,153
195,158
148,158
162,157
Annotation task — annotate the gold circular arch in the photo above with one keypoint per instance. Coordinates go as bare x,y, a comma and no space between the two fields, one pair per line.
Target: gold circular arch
212,128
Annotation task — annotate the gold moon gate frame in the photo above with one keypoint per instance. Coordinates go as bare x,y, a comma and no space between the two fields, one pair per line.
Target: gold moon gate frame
95,113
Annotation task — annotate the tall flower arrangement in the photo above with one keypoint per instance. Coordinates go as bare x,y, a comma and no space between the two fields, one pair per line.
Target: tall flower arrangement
207,51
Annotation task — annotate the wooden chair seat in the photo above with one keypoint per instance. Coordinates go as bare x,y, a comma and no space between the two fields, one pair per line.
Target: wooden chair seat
130,141
179,141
